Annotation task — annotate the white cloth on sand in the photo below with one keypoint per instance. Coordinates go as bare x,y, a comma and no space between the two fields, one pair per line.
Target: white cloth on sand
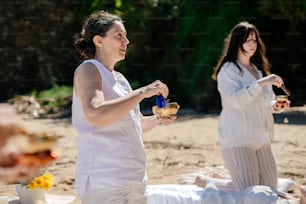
191,194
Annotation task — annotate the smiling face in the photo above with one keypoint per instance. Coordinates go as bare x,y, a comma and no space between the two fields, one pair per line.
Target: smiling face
115,42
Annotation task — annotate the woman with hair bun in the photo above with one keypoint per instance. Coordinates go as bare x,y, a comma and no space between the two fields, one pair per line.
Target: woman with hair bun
111,162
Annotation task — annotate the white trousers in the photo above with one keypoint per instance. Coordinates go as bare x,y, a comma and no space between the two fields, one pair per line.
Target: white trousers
133,194
249,167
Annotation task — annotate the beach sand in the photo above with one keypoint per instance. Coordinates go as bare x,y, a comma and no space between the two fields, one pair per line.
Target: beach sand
188,145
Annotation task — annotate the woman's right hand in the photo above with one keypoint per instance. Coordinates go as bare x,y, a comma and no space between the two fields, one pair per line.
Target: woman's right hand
155,88
272,79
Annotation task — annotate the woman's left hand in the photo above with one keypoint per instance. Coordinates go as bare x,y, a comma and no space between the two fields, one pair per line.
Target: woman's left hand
167,120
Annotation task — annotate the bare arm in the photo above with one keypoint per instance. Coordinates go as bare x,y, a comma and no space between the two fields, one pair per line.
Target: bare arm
150,122
99,112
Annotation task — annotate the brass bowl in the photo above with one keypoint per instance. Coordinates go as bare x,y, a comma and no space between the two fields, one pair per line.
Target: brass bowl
166,111
281,98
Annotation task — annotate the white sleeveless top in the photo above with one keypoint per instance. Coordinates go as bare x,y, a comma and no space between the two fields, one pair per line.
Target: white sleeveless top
112,156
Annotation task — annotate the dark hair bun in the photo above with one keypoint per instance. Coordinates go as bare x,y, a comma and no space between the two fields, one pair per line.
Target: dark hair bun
86,50
80,44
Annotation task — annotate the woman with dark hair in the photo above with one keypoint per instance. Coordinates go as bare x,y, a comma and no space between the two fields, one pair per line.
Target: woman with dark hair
111,162
234,45
246,121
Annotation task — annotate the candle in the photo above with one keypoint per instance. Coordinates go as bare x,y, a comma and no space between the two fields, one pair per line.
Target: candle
3,199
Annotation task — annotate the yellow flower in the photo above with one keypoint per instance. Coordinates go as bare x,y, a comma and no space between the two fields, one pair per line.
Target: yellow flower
47,185
39,181
48,177
32,185
44,181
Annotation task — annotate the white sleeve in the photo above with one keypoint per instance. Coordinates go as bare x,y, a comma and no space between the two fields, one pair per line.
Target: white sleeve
232,89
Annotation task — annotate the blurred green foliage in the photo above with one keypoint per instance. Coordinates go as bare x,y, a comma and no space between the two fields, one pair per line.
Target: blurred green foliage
176,41
55,92
54,97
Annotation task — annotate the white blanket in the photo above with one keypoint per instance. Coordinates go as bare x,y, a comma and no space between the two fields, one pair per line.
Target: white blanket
191,194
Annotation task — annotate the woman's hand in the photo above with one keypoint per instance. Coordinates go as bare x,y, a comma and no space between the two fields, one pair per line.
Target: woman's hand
155,88
281,105
150,122
167,120
272,79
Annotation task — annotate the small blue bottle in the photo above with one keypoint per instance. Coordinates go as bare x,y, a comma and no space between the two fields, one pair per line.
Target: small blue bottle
160,101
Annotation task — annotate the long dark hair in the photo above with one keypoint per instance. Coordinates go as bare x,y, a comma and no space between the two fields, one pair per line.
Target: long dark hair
234,42
97,23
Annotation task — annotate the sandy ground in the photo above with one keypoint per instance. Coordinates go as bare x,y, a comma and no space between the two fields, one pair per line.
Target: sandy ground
188,145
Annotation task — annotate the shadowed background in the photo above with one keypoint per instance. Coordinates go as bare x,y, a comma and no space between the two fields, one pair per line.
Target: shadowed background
178,42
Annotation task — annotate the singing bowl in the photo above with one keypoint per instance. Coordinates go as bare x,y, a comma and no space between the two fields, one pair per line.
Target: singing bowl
166,111
281,98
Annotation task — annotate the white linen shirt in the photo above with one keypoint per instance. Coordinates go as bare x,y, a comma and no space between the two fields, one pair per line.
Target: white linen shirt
246,118
111,156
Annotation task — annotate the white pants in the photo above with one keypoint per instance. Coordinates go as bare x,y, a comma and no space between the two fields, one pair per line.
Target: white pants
249,167
133,194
